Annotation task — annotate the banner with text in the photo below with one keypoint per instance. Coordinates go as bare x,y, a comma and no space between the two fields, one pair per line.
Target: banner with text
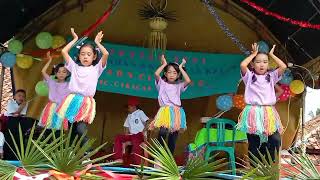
130,71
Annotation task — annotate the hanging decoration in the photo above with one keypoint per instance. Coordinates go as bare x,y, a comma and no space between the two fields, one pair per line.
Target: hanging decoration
8,59
42,88
286,93
58,41
24,61
157,38
155,11
297,87
44,40
263,47
101,20
225,29
303,24
238,101
15,46
224,102
287,77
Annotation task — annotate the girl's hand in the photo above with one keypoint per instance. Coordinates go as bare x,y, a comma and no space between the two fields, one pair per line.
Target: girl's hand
74,35
49,58
163,60
182,63
98,38
255,48
272,50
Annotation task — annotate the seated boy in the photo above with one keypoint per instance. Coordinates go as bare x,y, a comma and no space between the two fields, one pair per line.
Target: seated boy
18,105
135,128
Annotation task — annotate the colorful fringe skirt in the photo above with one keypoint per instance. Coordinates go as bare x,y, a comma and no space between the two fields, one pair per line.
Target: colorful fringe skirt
260,120
49,118
170,117
76,108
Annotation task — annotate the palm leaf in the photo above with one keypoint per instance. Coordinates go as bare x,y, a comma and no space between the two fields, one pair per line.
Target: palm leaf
304,167
69,155
6,170
195,169
264,168
30,157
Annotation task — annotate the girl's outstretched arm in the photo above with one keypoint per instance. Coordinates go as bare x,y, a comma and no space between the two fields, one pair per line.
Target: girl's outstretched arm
244,64
45,67
185,76
105,53
281,65
66,49
160,69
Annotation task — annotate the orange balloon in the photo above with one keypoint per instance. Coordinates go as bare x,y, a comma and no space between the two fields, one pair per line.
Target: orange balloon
238,101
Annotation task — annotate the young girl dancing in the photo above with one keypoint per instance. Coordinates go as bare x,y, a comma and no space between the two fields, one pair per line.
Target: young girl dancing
171,117
58,90
259,118
79,107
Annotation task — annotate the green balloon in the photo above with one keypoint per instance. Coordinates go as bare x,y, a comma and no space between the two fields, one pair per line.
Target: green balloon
44,40
42,89
15,46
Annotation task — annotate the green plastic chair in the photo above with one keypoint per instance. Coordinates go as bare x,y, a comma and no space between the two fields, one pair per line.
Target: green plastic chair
220,144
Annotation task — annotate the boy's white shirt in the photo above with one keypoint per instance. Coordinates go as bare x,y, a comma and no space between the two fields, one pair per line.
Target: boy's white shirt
13,106
135,121
2,140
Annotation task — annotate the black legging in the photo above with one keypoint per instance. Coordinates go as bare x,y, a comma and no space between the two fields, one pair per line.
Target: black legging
172,139
273,144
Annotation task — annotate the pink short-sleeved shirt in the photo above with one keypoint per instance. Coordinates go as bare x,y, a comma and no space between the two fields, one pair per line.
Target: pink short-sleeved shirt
169,94
260,92
83,79
57,91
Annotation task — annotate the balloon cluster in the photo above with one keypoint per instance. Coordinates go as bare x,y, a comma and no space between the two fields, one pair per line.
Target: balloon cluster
290,86
226,102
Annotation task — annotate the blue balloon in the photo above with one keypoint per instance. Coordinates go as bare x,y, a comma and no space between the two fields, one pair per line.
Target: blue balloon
263,47
287,77
224,102
8,59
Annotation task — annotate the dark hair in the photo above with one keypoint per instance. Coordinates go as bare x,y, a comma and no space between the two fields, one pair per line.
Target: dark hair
176,67
21,91
254,78
56,68
95,52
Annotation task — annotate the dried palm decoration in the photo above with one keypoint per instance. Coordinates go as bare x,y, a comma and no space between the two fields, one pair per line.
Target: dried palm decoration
155,11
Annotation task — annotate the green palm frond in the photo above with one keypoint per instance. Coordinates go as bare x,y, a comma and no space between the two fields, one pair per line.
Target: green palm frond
30,157
264,168
195,169
6,170
304,167
69,155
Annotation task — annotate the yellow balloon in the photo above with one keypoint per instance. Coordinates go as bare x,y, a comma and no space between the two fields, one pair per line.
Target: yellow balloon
297,87
24,61
58,41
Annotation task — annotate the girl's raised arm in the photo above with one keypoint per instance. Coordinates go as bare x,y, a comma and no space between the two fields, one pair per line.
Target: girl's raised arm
160,69
185,76
45,67
66,49
105,53
244,64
